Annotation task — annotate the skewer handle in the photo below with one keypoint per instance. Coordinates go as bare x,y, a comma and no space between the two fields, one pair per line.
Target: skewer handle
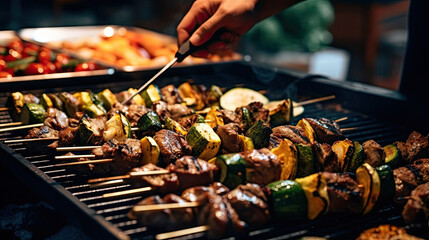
348,129
4,109
158,207
341,119
182,232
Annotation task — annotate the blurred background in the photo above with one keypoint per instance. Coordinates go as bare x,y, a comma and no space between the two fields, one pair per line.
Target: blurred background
354,40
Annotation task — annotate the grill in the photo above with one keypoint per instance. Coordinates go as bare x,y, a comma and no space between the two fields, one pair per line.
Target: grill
105,218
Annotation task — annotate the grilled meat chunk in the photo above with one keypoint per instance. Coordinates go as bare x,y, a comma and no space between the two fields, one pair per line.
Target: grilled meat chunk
134,112
374,153
167,219
326,130
230,116
196,194
164,183
229,136
42,132
172,145
326,159
178,110
56,119
403,148
409,177
126,155
265,166
30,98
257,112
193,172
170,95
161,109
387,232
98,125
417,207
250,203
67,136
188,121
417,147
343,191
293,133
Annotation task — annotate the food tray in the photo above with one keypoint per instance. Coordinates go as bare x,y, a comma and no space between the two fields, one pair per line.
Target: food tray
54,37
33,80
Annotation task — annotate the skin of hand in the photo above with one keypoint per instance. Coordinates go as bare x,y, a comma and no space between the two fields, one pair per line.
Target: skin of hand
234,17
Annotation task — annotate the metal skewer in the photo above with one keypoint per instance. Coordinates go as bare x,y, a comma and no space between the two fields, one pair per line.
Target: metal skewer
10,124
98,161
158,207
127,192
314,101
68,157
21,127
132,174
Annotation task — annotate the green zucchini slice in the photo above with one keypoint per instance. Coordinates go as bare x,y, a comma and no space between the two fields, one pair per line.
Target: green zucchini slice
368,178
393,156
305,160
151,95
32,113
149,124
260,134
282,114
107,99
232,169
150,150
204,141
358,157
174,126
288,200
387,184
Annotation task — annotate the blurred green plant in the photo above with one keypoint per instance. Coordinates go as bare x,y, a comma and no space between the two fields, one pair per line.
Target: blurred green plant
303,27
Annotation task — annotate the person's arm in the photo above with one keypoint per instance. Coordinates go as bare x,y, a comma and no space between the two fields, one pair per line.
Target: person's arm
235,17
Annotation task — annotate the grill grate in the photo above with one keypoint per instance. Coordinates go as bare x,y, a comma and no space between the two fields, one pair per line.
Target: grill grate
114,210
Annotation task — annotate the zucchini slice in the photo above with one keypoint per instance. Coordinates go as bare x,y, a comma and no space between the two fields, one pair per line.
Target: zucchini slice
315,190
85,131
149,124
288,200
232,169
246,118
93,110
260,134
368,177
137,98
358,157
344,151
214,118
246,143
174,126
308,129
56,101
282,114
387,183
151,95
204,141
150,150
70,103
107,99
393,156
117,127
214,94
238,97
288,156
15,103
32,113
46,101
305,160
83,98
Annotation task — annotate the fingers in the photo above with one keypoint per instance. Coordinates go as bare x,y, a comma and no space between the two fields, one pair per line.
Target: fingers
207,29
195,16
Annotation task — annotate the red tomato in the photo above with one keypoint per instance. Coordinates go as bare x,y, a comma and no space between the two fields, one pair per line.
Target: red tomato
60,60
2,65
9,58
44,56
85,67
35,68
4,74
31,46
16,45
50,67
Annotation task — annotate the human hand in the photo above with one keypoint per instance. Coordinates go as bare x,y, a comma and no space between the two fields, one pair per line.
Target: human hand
234,17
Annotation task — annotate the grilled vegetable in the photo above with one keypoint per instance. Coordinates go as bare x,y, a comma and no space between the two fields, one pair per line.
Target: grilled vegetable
214,94
46,101
309,131
393,156
204,141
83,98
151,95
137,98
56,101
93,110
32,113
246,143
149,124
15,104
150,150
85,132
232,169
174,126
260,134
246,118
387,184
368,177
282,114
117,127
238,97
188,94
107,99
305,160
358,157
288,200
214,118
315,190
70,103
288,156
344,151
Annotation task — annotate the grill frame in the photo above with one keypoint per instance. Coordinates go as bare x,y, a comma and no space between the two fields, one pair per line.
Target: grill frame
99,227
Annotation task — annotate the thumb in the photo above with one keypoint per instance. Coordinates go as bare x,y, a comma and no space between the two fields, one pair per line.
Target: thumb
206,30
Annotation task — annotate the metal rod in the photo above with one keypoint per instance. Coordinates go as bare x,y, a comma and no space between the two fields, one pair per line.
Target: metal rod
68,157
99,161
30,140
10,124
314,101
78,148
21,127
157,207
174,60
127,192
95,180
182,232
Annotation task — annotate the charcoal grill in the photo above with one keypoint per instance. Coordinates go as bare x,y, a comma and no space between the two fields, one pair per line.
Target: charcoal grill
366,107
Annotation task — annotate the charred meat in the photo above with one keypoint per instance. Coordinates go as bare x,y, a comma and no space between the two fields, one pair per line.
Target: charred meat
193,171
56,119
293,133
374,153
170,95
229,135
264,166
344,194
326,130
326,159
409,177
164,183
417,207
172,145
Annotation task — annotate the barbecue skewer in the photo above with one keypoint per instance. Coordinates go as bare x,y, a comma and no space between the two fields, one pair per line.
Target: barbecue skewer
21,127
4,109
348,129
31,140
341,119
68,157
157,207
132,174
314,101
11,124
127,192
98,161
182,232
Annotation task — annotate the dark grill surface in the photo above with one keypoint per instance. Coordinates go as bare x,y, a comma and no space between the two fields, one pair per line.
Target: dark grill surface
114,210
